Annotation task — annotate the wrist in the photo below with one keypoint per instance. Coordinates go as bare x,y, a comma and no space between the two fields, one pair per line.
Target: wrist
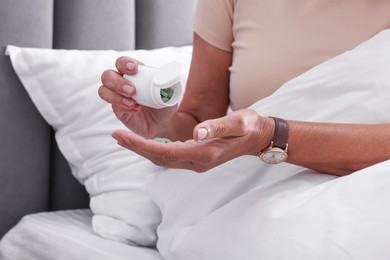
276,152
268,133
264,134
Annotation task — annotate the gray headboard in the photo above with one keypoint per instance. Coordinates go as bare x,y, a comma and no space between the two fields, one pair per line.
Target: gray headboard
34,176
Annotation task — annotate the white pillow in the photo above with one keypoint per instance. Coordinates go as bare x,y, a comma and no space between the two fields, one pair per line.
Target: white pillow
63,85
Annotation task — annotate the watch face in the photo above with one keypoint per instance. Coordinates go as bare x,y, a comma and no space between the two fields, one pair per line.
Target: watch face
274,155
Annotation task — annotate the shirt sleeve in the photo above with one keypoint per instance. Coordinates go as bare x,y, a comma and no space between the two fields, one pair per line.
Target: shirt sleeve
213,22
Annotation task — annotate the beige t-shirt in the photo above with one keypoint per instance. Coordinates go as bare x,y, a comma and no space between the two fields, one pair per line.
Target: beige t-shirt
274,41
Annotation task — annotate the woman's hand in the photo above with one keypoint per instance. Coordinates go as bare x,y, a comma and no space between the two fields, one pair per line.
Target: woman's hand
215,142
118,91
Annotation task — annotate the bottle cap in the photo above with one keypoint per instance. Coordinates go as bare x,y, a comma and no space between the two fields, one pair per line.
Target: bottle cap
167,75
158,87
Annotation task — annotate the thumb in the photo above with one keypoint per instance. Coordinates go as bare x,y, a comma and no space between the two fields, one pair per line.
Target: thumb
228,126
127,65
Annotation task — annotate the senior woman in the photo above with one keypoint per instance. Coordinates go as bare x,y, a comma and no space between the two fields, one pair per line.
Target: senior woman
243,51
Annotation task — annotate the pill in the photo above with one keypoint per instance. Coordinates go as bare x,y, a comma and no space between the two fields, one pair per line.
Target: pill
166,94
162,140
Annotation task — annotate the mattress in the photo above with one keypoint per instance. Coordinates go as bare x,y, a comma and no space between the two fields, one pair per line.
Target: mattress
65,235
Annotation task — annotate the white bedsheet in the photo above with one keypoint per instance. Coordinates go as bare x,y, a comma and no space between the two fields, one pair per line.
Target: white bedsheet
65,235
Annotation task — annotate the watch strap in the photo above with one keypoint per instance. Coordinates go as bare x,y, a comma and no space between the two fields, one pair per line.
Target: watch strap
281,133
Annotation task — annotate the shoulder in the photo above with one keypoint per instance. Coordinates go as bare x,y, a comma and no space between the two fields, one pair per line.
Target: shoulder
213,22
220,5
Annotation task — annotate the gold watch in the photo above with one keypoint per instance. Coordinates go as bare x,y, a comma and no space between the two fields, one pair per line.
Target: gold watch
276,152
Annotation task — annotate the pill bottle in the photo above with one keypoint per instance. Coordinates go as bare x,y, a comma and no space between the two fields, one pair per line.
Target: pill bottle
157,87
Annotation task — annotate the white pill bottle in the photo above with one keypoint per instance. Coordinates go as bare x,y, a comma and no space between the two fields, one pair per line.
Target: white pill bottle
158,87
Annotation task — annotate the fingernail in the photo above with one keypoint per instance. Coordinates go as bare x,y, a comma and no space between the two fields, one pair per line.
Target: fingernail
202,133
118,139
127,89
130,66
128,102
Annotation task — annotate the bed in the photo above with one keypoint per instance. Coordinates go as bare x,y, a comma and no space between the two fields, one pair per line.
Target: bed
56,136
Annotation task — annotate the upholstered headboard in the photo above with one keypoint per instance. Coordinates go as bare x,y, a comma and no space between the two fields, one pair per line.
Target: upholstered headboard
34,176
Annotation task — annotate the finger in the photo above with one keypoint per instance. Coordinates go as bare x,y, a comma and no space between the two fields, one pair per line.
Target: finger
152,150
114,81
171,155
124,114
127,65
120,111
117,100
146,147
229,126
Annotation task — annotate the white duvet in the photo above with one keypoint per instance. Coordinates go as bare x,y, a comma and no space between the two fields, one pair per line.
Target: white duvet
248,210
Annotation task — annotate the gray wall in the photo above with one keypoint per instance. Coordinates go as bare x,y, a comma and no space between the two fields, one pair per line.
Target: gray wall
164,23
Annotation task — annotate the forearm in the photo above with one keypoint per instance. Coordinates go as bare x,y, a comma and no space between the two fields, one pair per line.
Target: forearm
337,149
179,128
207,91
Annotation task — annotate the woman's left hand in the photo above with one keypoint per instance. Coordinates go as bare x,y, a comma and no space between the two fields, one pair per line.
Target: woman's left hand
215,142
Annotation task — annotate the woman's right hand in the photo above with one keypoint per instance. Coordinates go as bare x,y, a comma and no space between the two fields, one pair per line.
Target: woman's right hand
118,91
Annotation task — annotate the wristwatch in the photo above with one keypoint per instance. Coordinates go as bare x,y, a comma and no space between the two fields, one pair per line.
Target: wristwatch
276,152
